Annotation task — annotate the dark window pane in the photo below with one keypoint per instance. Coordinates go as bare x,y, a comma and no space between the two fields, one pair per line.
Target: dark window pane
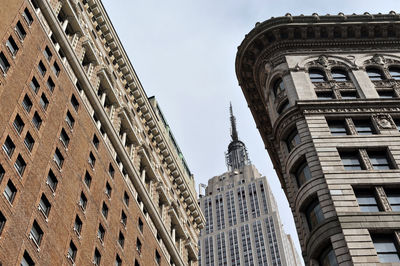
348,95
303,174
317,75
19,29
278,87
379,160
338,127
375,74
351,161
364,127
395,72
325,95
4,64
314,215
292,140
339,75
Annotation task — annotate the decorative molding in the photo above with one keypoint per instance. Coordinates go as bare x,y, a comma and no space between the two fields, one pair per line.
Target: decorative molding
365,159
350,110
380,192
384,121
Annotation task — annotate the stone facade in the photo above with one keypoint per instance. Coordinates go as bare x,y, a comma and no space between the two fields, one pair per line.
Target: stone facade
89,170
324,91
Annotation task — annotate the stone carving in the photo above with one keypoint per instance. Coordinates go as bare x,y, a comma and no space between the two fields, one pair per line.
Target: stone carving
365,159
378,59
351,110
380,192
323,60
384,121
381,60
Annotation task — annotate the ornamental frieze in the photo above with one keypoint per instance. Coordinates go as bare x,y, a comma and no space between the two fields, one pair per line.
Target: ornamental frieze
351,110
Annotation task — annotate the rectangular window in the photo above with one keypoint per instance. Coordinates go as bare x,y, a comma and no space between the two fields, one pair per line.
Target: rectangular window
104,210
74,102
58,158
2,221
10,191
47,53
338,127
34,85
140,225
37,120
27,260
83,201
95,141
87,179
27,16
386,94
36,233
92,160
18,124
9,147
379,160
121,239
20,165
108,190
126,198
123,218
349,95
50,84
100,233
2,172
4,64
96,257
393,197
385,246
44,206
42,69
138,246
70,120
56,69
367,201
29,141
158,258
72,250
52,181
351,160
363,127
44,103
27,103
19,29
64,138
78,225
118,261
12,46
111,171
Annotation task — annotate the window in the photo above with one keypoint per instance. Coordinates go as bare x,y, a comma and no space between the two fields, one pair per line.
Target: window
78,225
351,160
100,233
123,218
121,239
140,225
338,127
44,205
29,141
87,179
37,120
2,172
20,165
2,221
64,138
82,201
4,64
12,46
27,260
44,103
292,140
27,16
96,257
385,246
325,95
50,84
36,233
118,261
339,75
314,215
56,69
349,95
278,87
72,250
375,74
108,190
303,174
34,85
386,94
328,258
379,160
9,147
394,72
10,191
95,141
92,160
137,263
158,257
317,75
42,69
393,197
104,210
111,171
74,102
126,198
70,120
47,53
27,103
19,29
363,127
367,201
52,181
282,107
138,246
18,124
58,158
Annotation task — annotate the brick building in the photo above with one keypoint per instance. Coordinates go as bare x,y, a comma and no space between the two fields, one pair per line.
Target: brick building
324,92
89,169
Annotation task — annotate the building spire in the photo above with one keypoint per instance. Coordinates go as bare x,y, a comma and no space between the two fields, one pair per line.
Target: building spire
237,156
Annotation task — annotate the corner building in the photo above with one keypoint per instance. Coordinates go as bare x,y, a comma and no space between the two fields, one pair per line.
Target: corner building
90,172
324,92
243,226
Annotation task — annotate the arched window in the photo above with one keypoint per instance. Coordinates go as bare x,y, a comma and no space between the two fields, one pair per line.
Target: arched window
303,174
395,72
282,107
278,86
375,74
340,75
328,258
317,75
314,214
292,140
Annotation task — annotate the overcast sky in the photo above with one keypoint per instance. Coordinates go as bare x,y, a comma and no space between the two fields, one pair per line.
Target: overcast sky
184,54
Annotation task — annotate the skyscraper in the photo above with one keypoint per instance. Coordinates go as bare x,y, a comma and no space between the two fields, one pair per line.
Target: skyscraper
324,92
242,221
90,172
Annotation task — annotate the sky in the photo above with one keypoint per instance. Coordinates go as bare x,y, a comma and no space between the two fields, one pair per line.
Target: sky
184,53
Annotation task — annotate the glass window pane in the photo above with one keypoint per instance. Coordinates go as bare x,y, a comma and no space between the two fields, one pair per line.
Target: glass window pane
339,75
375,74
386,258
317,75
395,72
